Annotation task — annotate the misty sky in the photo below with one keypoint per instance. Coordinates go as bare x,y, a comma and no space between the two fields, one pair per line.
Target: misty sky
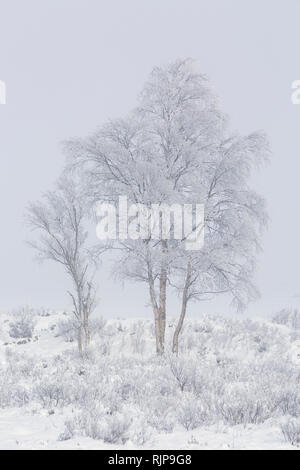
69,65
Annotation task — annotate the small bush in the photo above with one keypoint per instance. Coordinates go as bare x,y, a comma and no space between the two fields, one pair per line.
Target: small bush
50,394
140,432
43,312
68,432
138,342
161,413
97,325
242,407
11,393
183,370
288,317
111,428
288,403
291,432
67,330
191,414
23,323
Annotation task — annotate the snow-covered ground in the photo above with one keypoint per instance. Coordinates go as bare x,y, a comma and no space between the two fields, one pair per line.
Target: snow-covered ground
235,385
24,429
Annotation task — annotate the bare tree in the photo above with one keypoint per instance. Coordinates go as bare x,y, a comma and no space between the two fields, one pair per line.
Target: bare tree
60,220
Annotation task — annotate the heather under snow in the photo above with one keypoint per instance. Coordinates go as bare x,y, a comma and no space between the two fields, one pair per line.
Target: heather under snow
235,384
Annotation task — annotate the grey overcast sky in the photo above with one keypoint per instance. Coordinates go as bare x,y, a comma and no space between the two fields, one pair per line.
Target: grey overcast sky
69,65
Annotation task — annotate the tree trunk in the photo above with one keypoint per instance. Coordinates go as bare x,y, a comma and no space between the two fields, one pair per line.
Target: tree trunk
159,344
86,328
163,297
79,340
158,337
183,309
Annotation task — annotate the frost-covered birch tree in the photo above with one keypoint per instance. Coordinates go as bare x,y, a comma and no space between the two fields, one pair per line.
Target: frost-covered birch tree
174,148
235,216
60,221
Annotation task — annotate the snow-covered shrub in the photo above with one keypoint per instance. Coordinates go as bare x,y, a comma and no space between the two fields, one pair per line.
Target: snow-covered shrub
68,432
99,347
119,395
242,407
43,312
51,393
11,392
98,424
208,382
23,323
183,370
19,365
140,432
97,325
115,429
288,317
161,413
288,402
138,342
127,390
291,431
191,412
67,330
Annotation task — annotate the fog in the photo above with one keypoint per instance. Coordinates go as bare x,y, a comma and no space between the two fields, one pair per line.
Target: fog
71,65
